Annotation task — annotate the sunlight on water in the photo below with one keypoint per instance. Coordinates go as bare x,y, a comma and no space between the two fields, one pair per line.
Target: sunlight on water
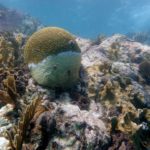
88,18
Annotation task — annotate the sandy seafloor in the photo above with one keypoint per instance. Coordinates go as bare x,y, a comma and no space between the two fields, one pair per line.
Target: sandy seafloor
108,109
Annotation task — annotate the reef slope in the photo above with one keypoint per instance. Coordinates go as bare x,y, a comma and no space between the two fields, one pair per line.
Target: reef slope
109,108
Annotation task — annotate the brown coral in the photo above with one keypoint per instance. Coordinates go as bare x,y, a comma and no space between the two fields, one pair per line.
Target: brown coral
18,134
10,50
48,41
9,94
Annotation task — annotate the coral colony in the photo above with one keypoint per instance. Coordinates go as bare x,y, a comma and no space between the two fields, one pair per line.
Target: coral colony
53,57
104,98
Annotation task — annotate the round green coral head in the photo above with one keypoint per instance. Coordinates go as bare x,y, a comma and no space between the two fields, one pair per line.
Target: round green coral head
48,41
53,57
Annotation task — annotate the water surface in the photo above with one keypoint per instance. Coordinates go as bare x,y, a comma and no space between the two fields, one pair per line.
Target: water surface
88,18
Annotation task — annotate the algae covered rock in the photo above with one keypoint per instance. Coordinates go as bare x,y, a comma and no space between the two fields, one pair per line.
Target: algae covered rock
53,57
80,129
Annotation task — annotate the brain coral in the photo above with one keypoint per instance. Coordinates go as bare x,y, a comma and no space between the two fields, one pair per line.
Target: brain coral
53,57
48,41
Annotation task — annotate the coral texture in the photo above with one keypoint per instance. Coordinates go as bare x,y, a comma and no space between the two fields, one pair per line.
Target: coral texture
53,57
108,109
48,41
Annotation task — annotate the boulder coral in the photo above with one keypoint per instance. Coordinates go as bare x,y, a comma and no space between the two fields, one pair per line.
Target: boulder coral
53,57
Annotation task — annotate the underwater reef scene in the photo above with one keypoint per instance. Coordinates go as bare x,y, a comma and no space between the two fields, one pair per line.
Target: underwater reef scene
107,108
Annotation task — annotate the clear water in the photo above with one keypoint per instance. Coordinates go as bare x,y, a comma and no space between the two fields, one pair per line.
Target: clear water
88,18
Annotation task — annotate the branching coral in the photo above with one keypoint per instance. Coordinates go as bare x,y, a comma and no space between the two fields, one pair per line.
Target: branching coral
10,50
6,53
12,85
9,94
18,134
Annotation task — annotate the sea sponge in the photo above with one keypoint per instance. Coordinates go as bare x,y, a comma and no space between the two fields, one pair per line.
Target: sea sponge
53,57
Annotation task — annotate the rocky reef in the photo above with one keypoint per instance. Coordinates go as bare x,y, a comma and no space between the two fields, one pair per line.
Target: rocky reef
117,76
108,109
14,21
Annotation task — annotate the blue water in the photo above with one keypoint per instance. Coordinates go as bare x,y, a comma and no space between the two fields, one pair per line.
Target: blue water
88,18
